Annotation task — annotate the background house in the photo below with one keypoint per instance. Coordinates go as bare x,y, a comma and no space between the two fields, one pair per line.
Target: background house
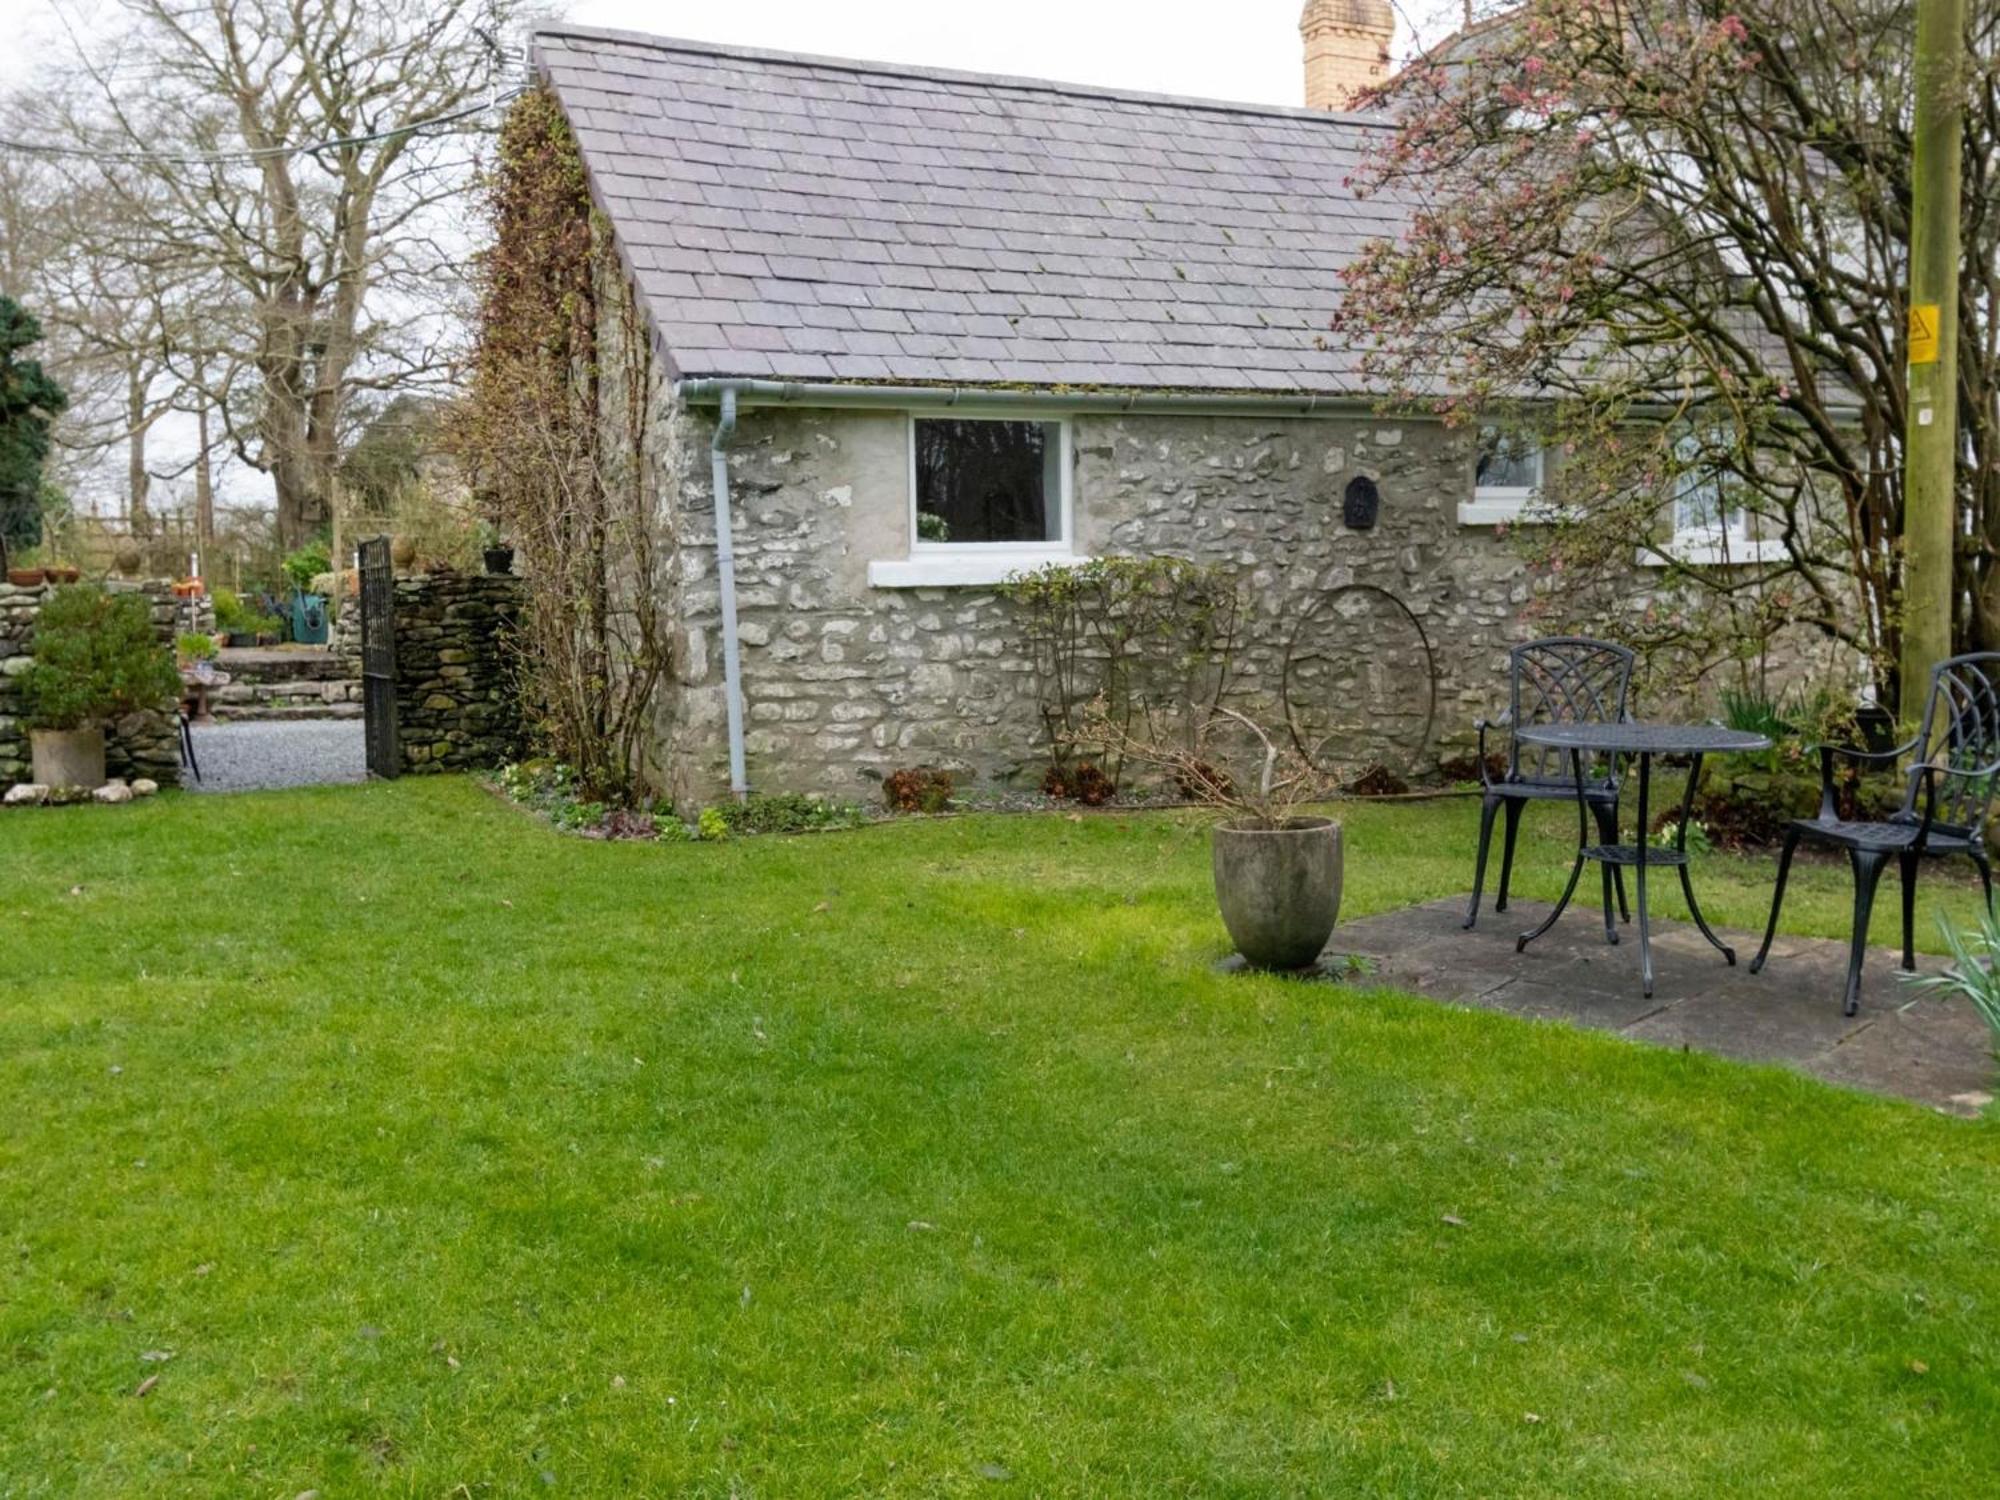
967,326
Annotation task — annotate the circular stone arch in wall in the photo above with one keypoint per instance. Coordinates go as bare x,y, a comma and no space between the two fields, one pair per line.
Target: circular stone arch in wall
1360,682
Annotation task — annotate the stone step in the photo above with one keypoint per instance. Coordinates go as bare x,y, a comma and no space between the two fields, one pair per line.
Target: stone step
284,665
264,713
339,691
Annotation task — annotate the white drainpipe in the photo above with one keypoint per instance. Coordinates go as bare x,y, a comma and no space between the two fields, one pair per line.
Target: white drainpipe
725,567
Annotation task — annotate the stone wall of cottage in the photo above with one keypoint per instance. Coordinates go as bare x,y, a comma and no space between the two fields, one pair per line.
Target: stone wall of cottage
145,743
456,705
844,683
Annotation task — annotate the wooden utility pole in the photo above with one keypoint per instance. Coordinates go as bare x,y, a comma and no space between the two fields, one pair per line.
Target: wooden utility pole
1930,448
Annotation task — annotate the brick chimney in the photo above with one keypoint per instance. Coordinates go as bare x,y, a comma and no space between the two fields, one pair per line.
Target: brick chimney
1347,49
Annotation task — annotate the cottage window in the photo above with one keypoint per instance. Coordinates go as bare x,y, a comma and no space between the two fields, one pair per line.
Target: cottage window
989,496
1506,479
1708,527
984,482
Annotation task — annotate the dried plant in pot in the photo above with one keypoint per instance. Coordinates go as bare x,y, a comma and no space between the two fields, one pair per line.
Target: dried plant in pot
96,658
1277,867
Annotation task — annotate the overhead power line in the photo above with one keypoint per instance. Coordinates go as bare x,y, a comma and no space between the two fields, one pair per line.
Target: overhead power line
261,153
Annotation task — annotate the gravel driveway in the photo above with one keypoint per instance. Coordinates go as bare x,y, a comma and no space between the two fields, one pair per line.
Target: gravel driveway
294,752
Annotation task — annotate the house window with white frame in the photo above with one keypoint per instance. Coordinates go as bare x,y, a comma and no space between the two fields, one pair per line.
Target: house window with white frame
1506,478
1707,528
989,496
978,481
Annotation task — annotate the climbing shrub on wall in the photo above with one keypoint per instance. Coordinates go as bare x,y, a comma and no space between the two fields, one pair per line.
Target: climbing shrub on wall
553,437
1117,642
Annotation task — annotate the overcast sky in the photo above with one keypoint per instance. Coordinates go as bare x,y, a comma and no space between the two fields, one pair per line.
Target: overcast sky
1244,49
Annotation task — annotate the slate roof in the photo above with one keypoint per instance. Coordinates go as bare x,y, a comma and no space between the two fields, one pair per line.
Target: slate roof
809,219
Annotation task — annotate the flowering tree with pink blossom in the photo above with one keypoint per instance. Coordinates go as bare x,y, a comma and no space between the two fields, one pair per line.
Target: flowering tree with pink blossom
1668,240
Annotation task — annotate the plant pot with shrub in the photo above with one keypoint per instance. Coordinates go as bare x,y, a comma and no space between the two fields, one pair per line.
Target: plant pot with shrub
1277,868
96,658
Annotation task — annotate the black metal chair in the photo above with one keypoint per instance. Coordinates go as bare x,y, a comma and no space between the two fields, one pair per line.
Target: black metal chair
1568,679
187,744
1956,766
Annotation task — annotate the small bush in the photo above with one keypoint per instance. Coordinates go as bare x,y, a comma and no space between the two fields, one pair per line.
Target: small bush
788,812
918,789
552,789
626,823
1457,768
96,657
306,564
193,646
1378,781
1750,810
711,827
1202,782
234,617
1084,783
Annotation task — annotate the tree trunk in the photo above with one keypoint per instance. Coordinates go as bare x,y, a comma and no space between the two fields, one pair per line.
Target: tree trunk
137,481
204,485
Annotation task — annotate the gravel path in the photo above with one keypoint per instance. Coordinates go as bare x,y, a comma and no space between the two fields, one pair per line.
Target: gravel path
259,756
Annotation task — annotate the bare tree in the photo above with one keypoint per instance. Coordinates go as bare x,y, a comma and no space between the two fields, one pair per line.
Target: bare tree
279,184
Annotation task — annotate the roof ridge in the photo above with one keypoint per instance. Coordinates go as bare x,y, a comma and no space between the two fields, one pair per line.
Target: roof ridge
958,76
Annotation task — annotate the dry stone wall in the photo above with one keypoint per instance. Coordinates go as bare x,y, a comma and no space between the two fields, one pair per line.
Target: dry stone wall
456,702
146,743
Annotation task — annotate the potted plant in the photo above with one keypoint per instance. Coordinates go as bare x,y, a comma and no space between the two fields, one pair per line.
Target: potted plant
1277,868
65,573
499,556
96,658
193,647
26,578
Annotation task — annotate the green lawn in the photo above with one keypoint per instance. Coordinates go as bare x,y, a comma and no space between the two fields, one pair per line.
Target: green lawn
448,1156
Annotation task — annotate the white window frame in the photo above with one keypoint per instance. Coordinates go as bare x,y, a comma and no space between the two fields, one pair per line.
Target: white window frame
965,564
1717,545
1502,504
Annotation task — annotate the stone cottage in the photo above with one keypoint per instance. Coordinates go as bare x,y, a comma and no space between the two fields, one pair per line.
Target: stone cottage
919,331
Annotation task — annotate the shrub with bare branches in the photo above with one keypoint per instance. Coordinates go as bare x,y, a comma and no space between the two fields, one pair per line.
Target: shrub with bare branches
1227,760
553,437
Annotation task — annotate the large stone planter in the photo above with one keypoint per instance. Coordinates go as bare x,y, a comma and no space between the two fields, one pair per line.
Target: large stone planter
69,757
1279,890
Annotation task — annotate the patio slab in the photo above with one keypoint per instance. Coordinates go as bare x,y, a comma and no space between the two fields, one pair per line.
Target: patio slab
1937,1053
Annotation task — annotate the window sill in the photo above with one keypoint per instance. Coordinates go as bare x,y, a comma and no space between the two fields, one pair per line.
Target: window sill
964,570
1701,553
1498,512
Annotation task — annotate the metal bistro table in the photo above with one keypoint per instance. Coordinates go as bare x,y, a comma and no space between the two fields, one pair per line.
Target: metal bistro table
1643,741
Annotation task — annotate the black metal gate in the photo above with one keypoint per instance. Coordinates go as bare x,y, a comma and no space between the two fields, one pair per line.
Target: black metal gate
378,656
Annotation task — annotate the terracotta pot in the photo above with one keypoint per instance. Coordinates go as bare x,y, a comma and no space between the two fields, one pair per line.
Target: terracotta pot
403,551
65,574
68,757
1279,890
26,578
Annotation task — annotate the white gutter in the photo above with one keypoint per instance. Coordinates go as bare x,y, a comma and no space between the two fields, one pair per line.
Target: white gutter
827,393
706,392
725,567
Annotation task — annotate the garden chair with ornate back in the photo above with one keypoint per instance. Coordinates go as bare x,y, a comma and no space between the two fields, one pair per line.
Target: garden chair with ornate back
1566,679
1952,779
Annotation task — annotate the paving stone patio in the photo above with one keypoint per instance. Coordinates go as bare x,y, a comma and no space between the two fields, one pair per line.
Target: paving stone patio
1937,1053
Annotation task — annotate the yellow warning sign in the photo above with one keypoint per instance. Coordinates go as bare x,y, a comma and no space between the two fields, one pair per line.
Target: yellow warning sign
1923,333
